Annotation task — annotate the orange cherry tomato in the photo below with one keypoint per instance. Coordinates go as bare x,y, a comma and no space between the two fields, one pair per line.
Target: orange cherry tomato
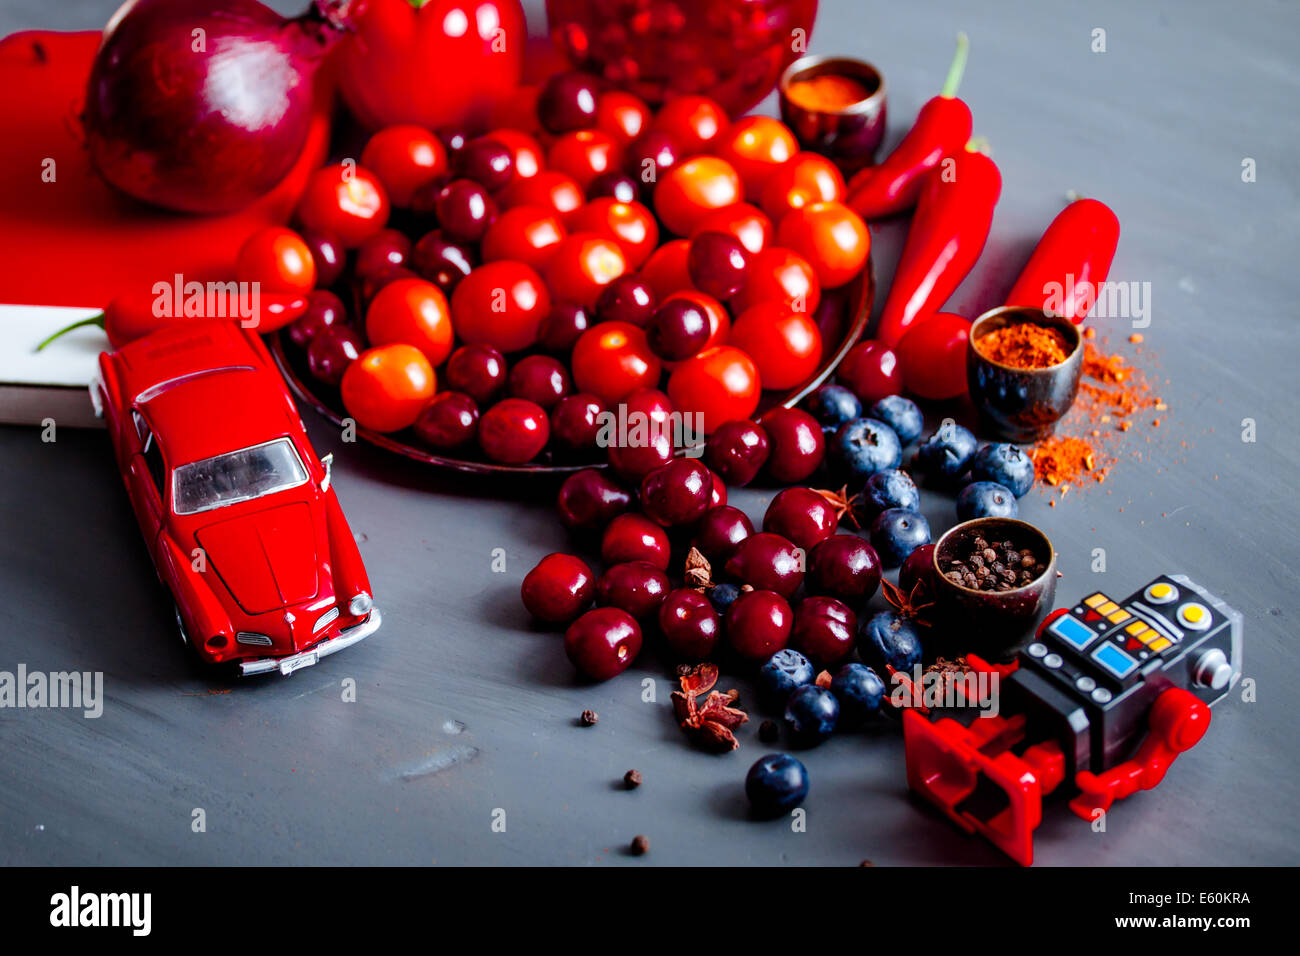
529,160
277,259
584,154
694,189
694,122
756,146
404,158
612,360
932,354
415,312
583,264
749,224
621,115
630,224
831,236
346,200
550,188
786,346
780,275
722,384
807,178
666,269
530,234
387,387
719,320
501,304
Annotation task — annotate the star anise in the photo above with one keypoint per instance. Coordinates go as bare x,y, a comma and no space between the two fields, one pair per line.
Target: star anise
842,502
908,605
710,723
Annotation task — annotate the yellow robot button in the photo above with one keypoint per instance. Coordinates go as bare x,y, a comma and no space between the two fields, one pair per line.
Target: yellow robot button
1109,607
1194,616
1096,600
1162,592
1118,617
1160,645
1136,628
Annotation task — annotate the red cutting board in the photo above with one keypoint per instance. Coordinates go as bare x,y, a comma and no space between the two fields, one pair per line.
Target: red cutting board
76,241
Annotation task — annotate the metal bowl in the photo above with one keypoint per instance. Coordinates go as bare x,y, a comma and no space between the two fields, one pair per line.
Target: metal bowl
842,318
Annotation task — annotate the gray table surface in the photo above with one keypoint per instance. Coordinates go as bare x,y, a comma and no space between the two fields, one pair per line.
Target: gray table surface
465,714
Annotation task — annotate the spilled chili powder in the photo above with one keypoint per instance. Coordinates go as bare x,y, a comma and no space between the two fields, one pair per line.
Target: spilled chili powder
827,93
1025,345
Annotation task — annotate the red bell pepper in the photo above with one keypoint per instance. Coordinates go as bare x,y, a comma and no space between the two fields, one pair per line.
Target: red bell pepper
1070,262
942,128
951,225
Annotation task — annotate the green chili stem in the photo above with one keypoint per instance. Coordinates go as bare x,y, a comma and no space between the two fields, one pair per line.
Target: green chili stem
93,320
957,68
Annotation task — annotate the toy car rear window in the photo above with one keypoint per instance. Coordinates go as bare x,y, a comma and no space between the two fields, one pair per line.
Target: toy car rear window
237,476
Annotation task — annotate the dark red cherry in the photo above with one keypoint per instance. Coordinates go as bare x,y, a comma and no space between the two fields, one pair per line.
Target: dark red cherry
453,138
540,379
589,499
332,351
716,263
718,498
637,587
477,370
844,566
514,431
387,247
373,283
603,642
759,624
650,156
720,532
678,329
567,101
558,589
871,371
737,451
614,185
798,445
449,421
768,562
576,422
324,309
465,210
628,298
562,327
802,515
824,630
328,254
918,569
653,405
641,454
486,161
677,493
632,537
443,261
690,625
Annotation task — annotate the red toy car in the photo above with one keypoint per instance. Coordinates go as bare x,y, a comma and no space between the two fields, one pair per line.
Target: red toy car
235,507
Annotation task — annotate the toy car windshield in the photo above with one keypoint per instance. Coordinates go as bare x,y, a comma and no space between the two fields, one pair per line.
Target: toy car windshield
237,476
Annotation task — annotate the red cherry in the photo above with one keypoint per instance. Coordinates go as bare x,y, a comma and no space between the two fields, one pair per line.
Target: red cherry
323,310
871,371
558,589
637,587
540,379
589,499
477,370
562,327
802,515
631,537
575,422
449,421
677,493
637,458
768,562
514,431
918,569
798,445
603,642
824,630
690,625
737,451
332,351
758,624
844,566
719,496
720,532
628,298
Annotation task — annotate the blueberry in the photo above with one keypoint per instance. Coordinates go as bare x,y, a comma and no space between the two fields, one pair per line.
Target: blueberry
833,405
776,784
1008,465
723,595
811,712
948,452
784,671
900,414
865,446
859,690
896,533
887,489
986,499
889,639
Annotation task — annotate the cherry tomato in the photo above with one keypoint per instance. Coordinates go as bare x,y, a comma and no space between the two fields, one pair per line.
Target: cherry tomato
345,200
807,178
666,269
387,387
583,264
722,384
584,154
831,236
501,304
694,122
756,146
554,190
529,160
630,224
694,189
780,275
404,158
278,259
749,224
933,356
612,360
530,234
621,115
871,370
786,346
719,320
415,312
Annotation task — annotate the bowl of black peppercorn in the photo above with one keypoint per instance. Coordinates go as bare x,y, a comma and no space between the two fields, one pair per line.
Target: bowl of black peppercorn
995,581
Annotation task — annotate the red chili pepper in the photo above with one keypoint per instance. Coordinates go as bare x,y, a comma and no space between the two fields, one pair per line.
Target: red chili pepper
133,316
942,128
951,225
1070,262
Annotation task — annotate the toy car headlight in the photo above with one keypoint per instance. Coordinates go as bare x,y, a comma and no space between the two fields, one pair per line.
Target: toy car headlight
360,604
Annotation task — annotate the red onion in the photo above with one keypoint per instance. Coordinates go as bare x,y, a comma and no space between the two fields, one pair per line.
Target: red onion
204,105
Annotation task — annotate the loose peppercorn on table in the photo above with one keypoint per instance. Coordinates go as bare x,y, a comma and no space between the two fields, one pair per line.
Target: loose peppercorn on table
460,712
